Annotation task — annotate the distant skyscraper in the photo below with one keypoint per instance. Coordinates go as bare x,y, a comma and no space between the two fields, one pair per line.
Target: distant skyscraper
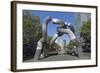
79,19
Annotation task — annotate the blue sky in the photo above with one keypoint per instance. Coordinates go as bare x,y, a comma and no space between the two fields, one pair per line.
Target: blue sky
65,16
69,17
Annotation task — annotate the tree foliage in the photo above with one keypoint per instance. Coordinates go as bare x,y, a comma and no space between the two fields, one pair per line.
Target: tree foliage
27,29
31,28
86,36
52,47
86,30
72,44
31,34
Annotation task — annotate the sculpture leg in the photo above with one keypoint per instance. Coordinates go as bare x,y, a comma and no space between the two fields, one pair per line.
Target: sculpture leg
62,51
53,40
38,49
72,37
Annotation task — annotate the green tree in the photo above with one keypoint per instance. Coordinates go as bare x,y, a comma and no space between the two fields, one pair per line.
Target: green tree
27,28
31,34
70,46
52,47
37,30
86,36
31,28
76,43
86,30
73,43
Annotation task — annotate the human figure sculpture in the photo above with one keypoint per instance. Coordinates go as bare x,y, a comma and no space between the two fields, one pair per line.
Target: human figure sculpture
62,29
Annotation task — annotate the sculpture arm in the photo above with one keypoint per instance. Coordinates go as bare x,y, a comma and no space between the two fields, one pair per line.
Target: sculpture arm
54,38
67,31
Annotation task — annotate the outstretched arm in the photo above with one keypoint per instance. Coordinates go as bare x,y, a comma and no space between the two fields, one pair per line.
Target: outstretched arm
67,31
54,38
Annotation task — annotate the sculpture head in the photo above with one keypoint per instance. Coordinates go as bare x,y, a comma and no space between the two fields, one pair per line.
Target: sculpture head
58,22
63,24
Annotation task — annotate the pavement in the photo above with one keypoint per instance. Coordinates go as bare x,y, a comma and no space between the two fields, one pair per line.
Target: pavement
62,57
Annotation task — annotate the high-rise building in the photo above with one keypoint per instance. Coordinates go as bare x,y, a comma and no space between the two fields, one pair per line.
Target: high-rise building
79,19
